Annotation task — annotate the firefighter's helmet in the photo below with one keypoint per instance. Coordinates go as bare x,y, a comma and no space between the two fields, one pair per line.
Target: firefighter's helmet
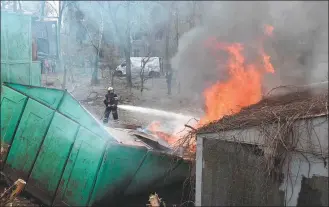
110,89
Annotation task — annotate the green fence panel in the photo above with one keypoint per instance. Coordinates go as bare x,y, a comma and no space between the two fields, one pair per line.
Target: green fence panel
118,168
81,171
27,141
19,73
4,73
74,110
155,166
51,160
16,50
12,107
18,36
48,96
67,156
3,42
179,173
35,71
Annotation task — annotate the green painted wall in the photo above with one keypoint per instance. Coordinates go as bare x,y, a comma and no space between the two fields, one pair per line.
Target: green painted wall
16,50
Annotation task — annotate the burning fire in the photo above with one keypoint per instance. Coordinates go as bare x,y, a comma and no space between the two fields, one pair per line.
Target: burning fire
243,87
155,128
174,141
269,30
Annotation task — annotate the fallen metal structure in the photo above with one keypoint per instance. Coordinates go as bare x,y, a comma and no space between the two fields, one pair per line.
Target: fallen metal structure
68,157
64,154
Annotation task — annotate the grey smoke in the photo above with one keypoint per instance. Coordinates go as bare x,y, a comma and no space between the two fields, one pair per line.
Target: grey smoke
298,48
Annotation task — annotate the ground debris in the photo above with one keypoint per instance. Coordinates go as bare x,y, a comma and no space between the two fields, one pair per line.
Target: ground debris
155,201
11,196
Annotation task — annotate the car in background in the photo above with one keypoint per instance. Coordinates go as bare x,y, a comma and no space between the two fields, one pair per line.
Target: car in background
152,67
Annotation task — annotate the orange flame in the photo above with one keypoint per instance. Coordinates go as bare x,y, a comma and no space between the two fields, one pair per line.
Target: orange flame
243,87
269,30
154,127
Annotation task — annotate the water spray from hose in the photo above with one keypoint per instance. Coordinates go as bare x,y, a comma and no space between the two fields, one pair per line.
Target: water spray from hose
155,112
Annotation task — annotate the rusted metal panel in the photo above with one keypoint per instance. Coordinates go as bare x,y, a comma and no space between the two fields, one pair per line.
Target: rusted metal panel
17,29
155,166
12,107
19,73
66,156
118,168
16,50
51,160
28,139
4,72
71,107
35,77
48,96
81,171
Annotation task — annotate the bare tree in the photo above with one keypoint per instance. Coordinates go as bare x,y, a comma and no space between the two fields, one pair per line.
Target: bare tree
128,46
94,77
167,55
15,6
124,37
11,5
143,77
62,5
42,13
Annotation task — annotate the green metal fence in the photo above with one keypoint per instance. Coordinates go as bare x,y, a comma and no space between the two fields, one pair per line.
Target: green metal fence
67,157
16,50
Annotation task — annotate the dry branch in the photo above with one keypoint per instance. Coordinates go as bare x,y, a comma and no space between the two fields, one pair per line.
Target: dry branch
155,201
275,118
12,192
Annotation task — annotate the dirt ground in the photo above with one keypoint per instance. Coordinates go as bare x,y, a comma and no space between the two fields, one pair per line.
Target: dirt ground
154,96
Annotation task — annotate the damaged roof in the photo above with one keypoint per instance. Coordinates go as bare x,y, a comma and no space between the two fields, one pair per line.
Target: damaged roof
287,107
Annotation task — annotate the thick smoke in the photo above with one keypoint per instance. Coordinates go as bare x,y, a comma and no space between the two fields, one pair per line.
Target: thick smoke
298,48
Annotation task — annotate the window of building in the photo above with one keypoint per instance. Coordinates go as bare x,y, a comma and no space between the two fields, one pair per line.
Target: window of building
314,192
136,52
159,35
137,36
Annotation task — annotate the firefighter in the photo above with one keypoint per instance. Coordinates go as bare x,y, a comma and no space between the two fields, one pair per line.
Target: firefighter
111,104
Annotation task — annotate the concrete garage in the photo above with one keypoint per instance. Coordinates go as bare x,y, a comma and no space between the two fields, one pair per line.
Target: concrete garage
271,153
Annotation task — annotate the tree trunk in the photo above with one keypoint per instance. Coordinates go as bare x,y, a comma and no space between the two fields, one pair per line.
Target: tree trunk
59,26
128,48
94,77
167,64
192,18
15,6
177,44
177,28
42,14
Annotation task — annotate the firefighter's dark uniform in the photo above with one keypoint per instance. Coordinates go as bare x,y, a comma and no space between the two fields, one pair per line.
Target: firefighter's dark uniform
111,103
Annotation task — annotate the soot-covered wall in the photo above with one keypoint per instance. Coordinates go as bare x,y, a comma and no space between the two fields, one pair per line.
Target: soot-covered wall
235,174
